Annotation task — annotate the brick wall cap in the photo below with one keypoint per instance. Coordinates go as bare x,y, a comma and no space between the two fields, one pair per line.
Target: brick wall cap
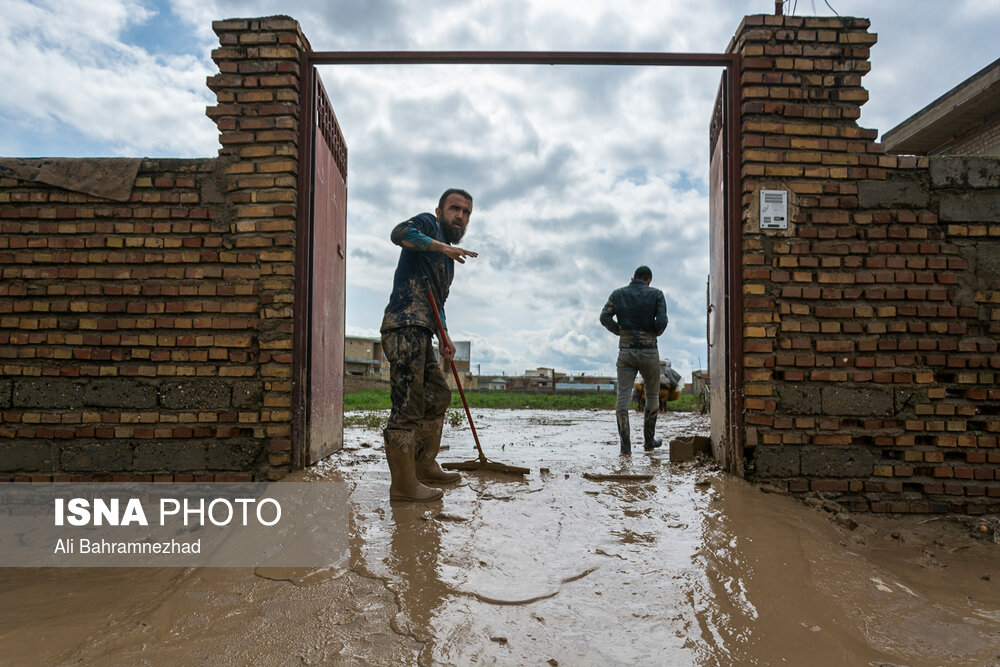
227,25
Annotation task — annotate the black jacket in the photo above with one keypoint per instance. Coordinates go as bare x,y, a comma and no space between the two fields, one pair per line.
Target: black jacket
642,315
417,271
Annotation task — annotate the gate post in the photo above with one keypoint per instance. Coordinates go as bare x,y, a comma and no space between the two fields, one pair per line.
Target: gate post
800,97
258,114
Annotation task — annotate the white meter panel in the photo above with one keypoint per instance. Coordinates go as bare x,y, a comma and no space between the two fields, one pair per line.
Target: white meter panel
774,209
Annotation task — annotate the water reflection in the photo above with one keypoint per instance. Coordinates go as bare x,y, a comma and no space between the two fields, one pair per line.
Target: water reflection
413,557
690,567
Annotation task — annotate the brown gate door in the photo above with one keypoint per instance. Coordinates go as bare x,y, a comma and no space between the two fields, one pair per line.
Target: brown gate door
718,358
327,283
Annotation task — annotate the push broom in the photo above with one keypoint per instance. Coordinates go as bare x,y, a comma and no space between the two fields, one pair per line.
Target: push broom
482,463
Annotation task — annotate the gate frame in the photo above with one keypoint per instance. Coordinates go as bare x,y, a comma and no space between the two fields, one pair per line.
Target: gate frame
733,184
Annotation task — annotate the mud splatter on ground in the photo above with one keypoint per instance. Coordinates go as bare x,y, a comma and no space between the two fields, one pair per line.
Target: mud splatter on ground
689,567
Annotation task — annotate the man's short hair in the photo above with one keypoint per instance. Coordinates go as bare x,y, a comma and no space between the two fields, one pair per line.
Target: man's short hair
643,273
453,191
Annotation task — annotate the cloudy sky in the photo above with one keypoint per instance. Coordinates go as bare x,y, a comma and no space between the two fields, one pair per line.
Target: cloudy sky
579,173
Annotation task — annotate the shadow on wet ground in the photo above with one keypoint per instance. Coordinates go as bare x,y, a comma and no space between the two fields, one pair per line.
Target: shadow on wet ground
675,564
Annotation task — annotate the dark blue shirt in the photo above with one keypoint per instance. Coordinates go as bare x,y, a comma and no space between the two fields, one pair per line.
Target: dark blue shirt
417,271
642,315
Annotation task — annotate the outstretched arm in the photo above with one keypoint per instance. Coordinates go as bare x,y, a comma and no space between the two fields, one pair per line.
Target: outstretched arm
408,236
453,251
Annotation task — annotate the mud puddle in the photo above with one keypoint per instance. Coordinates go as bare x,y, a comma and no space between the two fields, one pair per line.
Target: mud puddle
653,563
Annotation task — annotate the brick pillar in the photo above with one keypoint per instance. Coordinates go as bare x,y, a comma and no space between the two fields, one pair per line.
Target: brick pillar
801,95
869,359
258,117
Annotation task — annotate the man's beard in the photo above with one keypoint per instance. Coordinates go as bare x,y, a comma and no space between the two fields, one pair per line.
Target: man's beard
453,233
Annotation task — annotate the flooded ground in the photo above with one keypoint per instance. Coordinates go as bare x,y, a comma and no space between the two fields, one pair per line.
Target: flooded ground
679,565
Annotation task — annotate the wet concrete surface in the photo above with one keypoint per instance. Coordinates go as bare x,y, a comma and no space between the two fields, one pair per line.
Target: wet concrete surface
692,567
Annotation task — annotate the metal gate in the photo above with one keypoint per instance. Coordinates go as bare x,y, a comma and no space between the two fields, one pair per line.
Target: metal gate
318,401
725,336
321,277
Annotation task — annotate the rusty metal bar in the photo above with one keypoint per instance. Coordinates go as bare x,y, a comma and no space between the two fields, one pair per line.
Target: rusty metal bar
518,58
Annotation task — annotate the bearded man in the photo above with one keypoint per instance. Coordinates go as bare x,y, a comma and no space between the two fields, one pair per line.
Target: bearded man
420,395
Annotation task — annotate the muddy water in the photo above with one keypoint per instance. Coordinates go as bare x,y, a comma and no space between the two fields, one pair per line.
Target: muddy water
681,565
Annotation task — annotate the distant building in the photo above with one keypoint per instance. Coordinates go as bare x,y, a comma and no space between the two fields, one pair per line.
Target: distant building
699,380
364,356
463,358
496,384
534,379
963,121
586,383
541,380
583,378
585,387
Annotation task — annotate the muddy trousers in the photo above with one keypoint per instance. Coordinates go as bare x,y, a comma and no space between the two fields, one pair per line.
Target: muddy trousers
420,397
417,386
645,362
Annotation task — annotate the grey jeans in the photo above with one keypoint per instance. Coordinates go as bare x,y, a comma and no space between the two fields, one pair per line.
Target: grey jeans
645,362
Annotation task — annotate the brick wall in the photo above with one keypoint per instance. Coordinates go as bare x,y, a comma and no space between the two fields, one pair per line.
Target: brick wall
871,323
152,338
984,139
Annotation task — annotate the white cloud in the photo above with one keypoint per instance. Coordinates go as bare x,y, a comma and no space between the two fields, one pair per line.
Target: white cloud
579,173
65,65
979,10
198,16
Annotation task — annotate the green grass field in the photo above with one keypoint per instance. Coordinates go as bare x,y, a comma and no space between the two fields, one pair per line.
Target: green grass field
378,399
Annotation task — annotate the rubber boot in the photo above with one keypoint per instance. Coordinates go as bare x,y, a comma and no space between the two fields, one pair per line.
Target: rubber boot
404,486
623,432
427,436
648,430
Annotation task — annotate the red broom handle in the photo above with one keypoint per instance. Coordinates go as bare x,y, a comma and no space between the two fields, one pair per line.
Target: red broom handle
454,370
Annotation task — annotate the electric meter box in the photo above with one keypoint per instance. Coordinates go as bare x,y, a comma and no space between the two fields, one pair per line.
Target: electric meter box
774,209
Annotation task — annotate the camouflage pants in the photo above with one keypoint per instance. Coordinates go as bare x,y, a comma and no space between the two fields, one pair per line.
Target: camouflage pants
416,383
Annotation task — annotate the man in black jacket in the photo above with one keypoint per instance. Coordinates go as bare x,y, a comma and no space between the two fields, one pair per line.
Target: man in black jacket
641,313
